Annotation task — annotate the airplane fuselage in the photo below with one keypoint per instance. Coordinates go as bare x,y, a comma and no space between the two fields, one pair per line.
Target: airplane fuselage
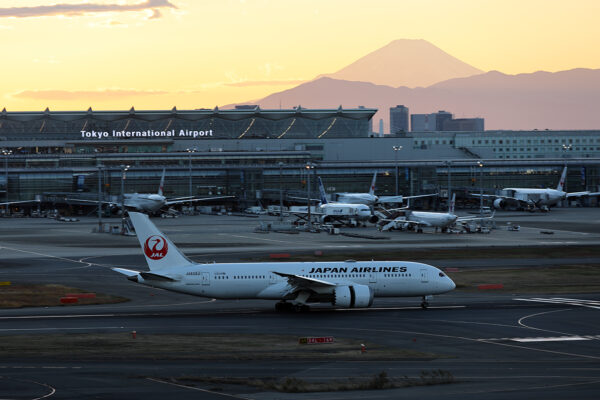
539,197
357,198
433,219
360,212
259,281
146,202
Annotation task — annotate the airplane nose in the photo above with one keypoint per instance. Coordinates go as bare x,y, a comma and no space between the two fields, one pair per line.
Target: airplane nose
451,284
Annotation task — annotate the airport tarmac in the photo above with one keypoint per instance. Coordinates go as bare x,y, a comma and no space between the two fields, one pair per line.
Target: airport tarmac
496,345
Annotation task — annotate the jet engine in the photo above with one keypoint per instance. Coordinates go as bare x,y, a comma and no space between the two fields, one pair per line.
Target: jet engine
353,296
499,204
373,219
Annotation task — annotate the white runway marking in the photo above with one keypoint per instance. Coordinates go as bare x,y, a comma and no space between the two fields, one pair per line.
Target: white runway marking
546,339
560,300
197,389
58,329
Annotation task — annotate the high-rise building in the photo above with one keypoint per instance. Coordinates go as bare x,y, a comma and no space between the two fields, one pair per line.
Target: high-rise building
398,119
464,125
423,122
440,118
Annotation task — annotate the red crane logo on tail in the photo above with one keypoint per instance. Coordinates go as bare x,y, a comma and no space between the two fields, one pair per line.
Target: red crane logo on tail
155,247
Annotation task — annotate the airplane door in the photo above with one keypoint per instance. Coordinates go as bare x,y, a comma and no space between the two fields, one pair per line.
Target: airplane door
272,279
206,278
373,277
424,278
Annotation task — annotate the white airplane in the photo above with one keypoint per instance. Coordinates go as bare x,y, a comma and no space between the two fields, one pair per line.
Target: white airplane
347,284
417,220
371,199
330,212
151,203
532,199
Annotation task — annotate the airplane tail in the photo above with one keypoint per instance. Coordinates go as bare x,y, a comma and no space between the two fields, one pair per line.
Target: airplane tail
561,183
452,204
322,192
160,252
162,183
372,188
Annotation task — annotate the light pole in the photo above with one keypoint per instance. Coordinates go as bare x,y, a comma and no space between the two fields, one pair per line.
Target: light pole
99,198
396,150
124,169
480,164
448,164
308,167
190,151
6,153
280,192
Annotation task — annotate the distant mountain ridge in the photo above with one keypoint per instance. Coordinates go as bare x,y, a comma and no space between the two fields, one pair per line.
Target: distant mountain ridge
541,100
396,74
405,62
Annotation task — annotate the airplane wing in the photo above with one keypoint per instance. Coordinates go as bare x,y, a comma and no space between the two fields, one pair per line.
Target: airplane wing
306,213
408,221
90,201
19,202
417,223
303,282
179,201
400,199
475,218
304,199
582,194
495,196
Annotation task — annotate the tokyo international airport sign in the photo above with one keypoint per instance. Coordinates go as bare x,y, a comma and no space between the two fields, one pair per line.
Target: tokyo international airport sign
182,133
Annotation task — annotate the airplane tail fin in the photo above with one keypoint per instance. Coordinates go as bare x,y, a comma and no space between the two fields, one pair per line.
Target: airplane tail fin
162,183
322,192
160,252
561,183
372,188
452,204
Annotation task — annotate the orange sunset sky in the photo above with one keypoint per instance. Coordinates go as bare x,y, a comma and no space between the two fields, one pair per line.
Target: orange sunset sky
156,54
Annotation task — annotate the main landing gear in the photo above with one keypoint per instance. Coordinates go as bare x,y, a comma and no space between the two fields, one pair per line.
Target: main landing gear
425,303
284,306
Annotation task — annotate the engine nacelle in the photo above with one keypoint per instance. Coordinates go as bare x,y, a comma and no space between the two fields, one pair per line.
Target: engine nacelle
373,219
353,296
499,204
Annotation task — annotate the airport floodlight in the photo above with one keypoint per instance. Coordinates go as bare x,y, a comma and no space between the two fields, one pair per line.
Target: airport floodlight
190,151
480,165
396,150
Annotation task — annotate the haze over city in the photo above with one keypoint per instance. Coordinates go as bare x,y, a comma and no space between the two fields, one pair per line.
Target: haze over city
156,54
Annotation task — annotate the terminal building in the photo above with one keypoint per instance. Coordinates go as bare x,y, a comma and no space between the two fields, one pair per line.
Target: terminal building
250,153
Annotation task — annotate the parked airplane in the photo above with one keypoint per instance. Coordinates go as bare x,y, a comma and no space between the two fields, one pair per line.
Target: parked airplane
151,203
344,213
371,199
532,199
417,220
348,284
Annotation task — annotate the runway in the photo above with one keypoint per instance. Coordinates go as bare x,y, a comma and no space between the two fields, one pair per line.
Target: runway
541,346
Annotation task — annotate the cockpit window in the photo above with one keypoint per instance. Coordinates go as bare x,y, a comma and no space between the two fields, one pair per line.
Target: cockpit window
442,274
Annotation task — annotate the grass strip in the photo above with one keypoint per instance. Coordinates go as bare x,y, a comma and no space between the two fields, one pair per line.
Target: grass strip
296,385
195,347
49,295
548,280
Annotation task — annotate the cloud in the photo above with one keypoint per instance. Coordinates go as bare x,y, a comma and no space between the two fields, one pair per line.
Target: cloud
266,83
103,94
83,9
